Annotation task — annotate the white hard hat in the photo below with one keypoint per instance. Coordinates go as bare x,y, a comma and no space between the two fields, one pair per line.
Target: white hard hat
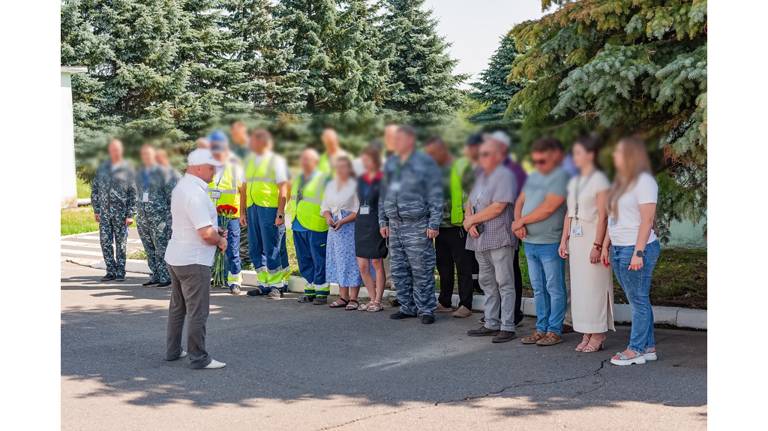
202,156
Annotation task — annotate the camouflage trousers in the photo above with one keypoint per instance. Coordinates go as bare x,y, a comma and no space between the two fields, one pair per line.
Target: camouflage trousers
155,231
412,256
113,236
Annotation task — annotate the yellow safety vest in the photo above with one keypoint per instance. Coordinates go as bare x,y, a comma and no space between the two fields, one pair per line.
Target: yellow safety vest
261,183
458,197
307,210
226,188
324,165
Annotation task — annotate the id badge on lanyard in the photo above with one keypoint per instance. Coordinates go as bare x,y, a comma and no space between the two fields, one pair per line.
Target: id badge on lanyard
365,210
145,197
215,194
576,229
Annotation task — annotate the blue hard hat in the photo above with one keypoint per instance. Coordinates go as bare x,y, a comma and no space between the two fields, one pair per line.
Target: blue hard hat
218,136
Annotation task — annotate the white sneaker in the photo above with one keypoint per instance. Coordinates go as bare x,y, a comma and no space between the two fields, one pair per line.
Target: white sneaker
214,365
621,361
650,356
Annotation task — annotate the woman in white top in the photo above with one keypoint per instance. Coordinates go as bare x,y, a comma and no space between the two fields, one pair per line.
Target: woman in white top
582,242
339,207
632,248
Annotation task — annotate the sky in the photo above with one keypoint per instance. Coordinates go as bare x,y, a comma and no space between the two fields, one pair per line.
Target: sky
474,27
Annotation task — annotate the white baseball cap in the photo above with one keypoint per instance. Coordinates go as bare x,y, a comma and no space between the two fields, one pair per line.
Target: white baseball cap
498,136
202,156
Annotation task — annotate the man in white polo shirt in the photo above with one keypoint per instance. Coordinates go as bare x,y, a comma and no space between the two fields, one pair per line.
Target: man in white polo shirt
194,238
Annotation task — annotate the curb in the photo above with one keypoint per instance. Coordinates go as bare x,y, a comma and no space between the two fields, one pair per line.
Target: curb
674,316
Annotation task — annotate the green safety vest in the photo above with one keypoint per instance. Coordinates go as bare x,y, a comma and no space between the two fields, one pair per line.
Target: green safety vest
229,194
324,165
261,183
458,197
307,210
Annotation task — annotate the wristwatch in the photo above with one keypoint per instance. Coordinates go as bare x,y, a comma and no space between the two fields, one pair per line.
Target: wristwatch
640,253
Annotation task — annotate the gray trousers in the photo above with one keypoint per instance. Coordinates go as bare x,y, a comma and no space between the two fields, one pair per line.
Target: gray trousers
190,299
497,279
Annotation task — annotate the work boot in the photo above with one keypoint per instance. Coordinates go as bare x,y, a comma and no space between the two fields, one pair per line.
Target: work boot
108,277
234,289
320,300
400,316
482,332
427,319
503,337
462,312
150,283
275,293
306,299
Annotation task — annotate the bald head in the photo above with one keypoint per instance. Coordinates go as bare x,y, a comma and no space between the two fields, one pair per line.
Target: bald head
330,140
115,150
308,161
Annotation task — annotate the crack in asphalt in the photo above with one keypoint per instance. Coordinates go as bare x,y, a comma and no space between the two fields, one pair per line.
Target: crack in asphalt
594,373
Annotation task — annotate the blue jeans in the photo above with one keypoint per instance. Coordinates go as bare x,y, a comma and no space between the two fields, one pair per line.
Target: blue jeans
637,287
546,269
233,247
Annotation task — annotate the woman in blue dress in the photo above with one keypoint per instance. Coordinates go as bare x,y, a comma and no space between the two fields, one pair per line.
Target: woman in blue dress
339,207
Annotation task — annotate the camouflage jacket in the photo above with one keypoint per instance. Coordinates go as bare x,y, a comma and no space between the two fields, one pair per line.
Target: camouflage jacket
113,191
158,186
411,191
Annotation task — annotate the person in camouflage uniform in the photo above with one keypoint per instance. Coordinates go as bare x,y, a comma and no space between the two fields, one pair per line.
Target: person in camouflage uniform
113,197
410,212
153,189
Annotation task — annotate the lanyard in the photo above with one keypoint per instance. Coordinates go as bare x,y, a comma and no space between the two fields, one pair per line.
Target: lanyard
302,182
370,188
578,181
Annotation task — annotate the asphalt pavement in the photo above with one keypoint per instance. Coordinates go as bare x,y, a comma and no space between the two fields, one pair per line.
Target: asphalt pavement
303,367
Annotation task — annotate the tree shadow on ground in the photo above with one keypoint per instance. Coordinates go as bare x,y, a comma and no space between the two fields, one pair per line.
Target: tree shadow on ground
113,337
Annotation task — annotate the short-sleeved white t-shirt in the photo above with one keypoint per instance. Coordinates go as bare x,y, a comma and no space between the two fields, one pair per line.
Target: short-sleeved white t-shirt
623,230
191,209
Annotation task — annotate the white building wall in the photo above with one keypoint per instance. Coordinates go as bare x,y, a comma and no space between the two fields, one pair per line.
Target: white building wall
68,178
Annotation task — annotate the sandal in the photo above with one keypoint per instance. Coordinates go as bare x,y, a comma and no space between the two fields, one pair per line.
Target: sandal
339,303
375,306
584,341
352,305
592,348
364,307
621,359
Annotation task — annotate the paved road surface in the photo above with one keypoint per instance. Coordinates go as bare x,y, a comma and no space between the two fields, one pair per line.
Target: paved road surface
86,245
303,367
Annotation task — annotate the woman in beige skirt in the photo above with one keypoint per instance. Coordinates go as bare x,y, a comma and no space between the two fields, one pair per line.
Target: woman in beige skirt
583,233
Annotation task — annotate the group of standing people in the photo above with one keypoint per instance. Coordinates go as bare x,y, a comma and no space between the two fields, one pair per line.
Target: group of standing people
422,210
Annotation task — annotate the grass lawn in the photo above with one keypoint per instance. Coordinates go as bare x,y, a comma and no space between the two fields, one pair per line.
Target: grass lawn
83,189
77,220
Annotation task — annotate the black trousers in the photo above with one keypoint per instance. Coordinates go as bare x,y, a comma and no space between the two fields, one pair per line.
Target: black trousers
451,253
518,287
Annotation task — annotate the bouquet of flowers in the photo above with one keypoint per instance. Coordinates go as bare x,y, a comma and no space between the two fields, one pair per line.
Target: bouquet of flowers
219,271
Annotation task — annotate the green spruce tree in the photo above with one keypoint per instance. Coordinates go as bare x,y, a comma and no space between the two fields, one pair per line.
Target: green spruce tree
263,49
494,88
422,82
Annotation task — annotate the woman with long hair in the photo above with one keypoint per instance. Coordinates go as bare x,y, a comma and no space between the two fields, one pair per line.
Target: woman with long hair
339,207
632,247
584,231
370,246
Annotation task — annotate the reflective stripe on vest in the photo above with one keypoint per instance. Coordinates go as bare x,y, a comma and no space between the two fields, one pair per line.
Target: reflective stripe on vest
458,196
227,187
308,209
261,183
